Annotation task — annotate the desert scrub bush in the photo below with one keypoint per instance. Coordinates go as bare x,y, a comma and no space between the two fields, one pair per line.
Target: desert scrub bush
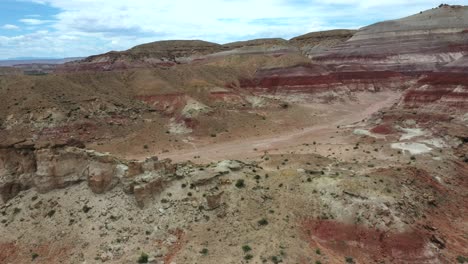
317,251
276,259
263,222
349,260
204,251
240,183
246,248
248,257
143,258
462,259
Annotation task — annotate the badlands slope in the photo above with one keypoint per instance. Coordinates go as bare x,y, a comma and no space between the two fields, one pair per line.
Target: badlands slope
332,147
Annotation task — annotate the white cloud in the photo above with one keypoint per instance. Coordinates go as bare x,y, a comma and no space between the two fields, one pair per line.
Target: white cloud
33,21
10,27
84,27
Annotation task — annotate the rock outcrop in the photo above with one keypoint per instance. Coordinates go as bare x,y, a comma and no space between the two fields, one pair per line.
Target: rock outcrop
318,42
24,167
159,53
418,43
425,53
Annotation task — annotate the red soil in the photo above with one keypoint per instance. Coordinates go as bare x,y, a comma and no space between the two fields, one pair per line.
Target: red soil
446,78
384,129
82,129
8,252
424,180
46,253
287,78
365,244
176,247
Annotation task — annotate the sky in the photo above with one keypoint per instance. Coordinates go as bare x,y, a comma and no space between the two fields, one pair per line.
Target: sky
77,28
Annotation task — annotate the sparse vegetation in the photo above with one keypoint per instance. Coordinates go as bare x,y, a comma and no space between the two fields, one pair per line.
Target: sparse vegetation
462,259
246,248
276,259
143,258
240,183
204,251
217,192
263,222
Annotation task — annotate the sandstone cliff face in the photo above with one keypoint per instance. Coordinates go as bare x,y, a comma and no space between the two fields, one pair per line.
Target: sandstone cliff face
47,169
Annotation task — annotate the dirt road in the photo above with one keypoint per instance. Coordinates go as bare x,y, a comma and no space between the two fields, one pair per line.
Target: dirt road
256,146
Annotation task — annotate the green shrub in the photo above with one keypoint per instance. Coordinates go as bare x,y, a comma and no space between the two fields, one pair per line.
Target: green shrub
462,259
276,260
143,258
263,222
246,248
240,183
204,251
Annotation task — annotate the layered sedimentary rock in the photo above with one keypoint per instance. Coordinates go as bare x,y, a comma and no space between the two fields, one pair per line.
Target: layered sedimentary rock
24,166
318,42
159,53
439,91
171,53
425,52
422,42
314,78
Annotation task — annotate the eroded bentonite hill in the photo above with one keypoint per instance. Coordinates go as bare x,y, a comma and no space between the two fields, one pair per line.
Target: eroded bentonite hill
332,147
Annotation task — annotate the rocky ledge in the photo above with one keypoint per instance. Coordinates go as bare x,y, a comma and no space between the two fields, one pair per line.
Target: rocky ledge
24,166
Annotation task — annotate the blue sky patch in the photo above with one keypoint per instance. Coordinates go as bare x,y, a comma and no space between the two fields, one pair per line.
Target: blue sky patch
70,28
